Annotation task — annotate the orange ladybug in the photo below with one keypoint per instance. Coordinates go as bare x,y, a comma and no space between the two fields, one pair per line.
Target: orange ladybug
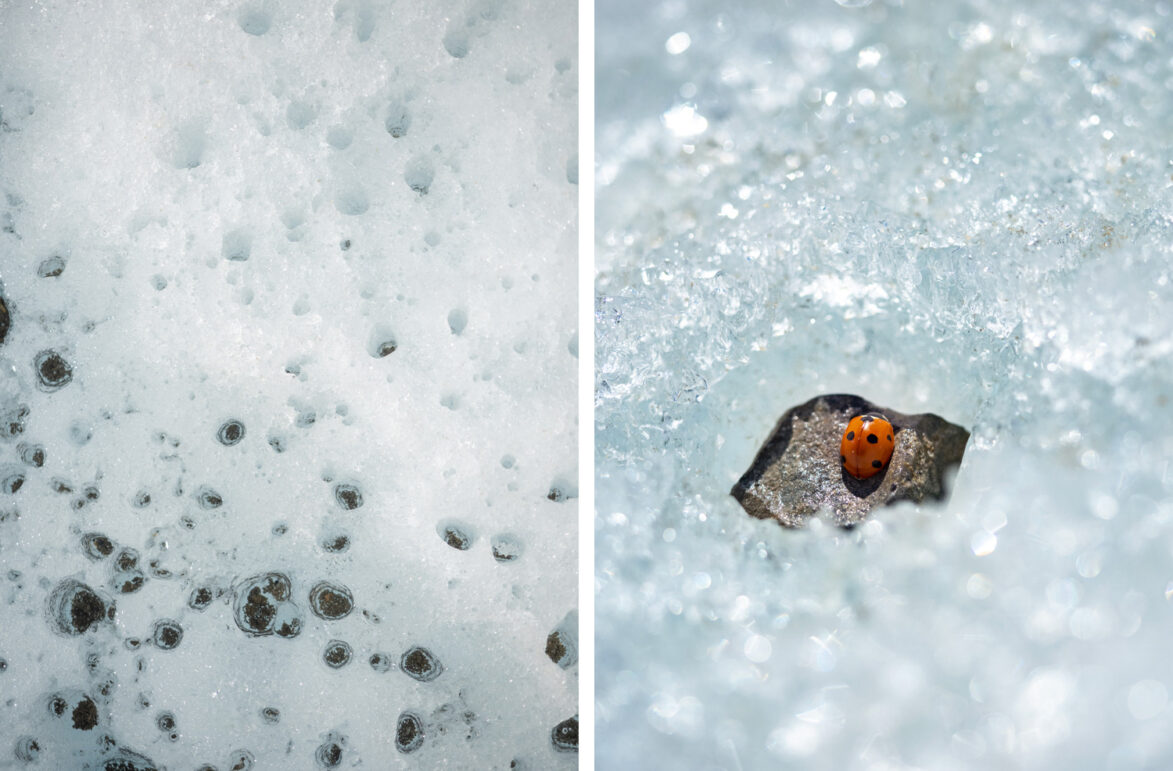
867,445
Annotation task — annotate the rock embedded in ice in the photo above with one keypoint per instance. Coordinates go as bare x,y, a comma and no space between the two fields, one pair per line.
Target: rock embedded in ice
797,471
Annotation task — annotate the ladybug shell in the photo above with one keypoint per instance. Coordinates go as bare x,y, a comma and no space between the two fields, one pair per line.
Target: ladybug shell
867,445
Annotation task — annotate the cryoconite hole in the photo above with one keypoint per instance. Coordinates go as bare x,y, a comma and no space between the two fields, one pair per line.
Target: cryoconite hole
457,320
254,19
351,200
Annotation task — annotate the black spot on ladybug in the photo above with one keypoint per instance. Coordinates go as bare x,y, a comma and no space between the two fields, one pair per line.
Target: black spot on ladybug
877,464
850,435
889,437
872,438
843,459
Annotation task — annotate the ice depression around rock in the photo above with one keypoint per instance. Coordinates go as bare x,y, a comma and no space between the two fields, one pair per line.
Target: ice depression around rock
797,471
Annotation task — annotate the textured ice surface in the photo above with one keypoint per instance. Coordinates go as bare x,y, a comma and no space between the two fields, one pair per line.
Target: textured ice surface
962,208
291,286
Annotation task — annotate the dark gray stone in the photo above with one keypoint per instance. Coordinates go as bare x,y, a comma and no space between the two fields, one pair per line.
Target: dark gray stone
5,320
797,471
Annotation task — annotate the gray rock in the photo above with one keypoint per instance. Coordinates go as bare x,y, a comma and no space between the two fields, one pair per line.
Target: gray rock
797,471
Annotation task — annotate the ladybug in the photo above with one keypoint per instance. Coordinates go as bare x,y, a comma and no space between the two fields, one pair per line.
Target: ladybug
867,445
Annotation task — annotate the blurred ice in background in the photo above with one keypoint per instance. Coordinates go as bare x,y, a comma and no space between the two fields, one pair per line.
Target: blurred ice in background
962,208
290,381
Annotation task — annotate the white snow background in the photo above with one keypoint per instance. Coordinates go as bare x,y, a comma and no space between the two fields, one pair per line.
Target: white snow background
252,203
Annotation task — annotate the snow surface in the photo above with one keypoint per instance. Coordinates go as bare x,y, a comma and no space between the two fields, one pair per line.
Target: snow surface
962,208
349,227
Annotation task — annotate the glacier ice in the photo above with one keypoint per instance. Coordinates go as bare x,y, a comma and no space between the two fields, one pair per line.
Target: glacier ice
280,286
961,208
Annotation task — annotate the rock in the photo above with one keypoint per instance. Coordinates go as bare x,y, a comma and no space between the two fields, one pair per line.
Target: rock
797,471
5,320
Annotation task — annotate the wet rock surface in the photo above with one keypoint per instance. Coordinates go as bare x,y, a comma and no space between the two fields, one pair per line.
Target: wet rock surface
797,471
